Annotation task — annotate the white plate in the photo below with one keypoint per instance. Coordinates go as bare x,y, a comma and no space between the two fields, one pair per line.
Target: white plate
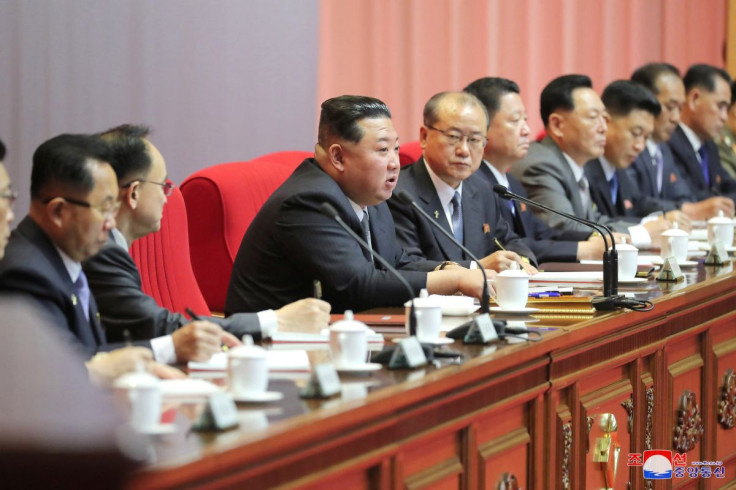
437,341
266,396
187,388
158,430
635,280
513,311
684,263
360,368
458,310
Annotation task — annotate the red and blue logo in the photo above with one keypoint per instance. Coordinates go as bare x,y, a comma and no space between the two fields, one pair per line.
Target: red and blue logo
657,464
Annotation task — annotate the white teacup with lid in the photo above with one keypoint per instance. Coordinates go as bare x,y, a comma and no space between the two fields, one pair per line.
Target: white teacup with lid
627,261
720,229
429,316
247,369
674,243
511,288
139,395
349,342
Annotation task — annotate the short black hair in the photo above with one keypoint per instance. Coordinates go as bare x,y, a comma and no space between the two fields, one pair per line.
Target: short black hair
431,108
64,161
489,91
704,76
2,151
557,95
130,157
623,96
340,115
733,95
648,74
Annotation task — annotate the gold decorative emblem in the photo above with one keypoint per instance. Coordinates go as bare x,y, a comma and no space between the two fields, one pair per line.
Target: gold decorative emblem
566,456
74,299
689,426
436,214
607,449
727,403
628,405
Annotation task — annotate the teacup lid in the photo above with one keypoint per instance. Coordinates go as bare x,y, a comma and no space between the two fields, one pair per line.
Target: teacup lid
675,231
136,379
348,324
513,273
247,350
424,301
720,219
627,247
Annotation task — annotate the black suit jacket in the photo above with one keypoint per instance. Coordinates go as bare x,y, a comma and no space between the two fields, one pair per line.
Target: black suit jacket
675,190
630,203
548,244
291,243
721,183
32,267
482,220
116,283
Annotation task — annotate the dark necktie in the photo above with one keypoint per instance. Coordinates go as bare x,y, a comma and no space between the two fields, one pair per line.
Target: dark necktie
658,163
457,217
585,196
703,152
613,185
511,207
81,290
366,227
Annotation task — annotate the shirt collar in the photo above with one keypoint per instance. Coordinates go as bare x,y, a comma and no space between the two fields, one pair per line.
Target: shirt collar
608,169
500,176
444,191
577,170
357,209
695,142
119,239
73,268
653,148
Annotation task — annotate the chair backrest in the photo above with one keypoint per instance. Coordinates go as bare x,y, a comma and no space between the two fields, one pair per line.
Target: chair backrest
164,262
409,152
222,200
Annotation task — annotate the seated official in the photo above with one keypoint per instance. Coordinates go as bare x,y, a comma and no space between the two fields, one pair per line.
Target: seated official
116,282
443,185
291,243
508,142
727,139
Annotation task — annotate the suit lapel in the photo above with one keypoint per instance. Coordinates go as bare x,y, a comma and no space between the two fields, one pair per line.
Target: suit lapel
680,145
599,190
574,189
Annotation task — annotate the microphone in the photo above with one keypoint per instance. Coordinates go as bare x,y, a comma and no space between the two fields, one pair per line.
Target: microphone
328,210
406,198
610,259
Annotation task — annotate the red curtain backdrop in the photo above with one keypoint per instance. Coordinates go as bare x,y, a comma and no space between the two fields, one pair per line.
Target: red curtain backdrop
404,51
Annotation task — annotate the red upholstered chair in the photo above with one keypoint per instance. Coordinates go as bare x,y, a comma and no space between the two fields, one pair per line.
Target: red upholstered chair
541,134
409,152
164,262
222,200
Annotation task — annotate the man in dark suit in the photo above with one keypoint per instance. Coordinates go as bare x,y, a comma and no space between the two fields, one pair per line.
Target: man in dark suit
508,142
442,183
654,169
291,242
7,199
631,109
707,96
116,282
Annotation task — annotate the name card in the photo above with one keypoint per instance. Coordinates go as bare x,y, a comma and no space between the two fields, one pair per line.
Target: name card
717,255
323,383
670,271
408,354
481,331
220,413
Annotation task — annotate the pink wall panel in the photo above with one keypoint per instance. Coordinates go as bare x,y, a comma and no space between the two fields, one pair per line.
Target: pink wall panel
404,51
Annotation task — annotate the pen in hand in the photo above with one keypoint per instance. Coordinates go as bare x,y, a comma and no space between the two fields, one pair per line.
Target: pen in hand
191,314
317,289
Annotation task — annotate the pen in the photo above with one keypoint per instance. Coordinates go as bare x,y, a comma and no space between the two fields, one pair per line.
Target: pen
498,244
317,289
127,338
191,314
548,294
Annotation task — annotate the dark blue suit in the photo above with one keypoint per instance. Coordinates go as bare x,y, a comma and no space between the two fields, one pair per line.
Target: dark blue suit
630,203
482,220
32,267
721,183
675,190
548,244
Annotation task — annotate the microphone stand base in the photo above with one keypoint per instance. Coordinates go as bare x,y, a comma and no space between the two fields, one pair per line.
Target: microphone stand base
607,303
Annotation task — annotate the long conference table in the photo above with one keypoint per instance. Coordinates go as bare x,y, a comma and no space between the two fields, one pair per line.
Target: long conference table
564,412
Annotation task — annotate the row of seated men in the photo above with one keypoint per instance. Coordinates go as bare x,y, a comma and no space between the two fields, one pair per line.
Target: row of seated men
645,145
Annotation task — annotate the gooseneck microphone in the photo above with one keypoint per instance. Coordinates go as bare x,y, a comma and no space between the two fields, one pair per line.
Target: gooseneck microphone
610,259
329,210
406,198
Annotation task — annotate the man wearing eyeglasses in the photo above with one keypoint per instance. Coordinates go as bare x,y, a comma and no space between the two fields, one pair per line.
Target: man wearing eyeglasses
7,199
116,282
443,183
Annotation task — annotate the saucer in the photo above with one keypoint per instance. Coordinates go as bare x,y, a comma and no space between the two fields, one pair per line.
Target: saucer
359,368
158,430
684,263
513,311
437,341
264,397
633,280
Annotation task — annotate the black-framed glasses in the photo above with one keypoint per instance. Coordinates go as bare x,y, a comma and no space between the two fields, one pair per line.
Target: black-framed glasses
10,195
455,137
167,186
109,211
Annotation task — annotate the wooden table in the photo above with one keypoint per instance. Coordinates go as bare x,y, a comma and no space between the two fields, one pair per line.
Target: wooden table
526,412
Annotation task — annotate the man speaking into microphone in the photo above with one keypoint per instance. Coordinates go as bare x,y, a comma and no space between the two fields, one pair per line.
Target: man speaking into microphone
292,242
443,184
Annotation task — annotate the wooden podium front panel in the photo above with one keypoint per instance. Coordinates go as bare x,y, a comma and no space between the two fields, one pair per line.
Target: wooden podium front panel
723,401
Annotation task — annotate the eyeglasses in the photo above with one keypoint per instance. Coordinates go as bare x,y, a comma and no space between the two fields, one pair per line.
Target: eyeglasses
167,186
109,211
10,195
454,138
